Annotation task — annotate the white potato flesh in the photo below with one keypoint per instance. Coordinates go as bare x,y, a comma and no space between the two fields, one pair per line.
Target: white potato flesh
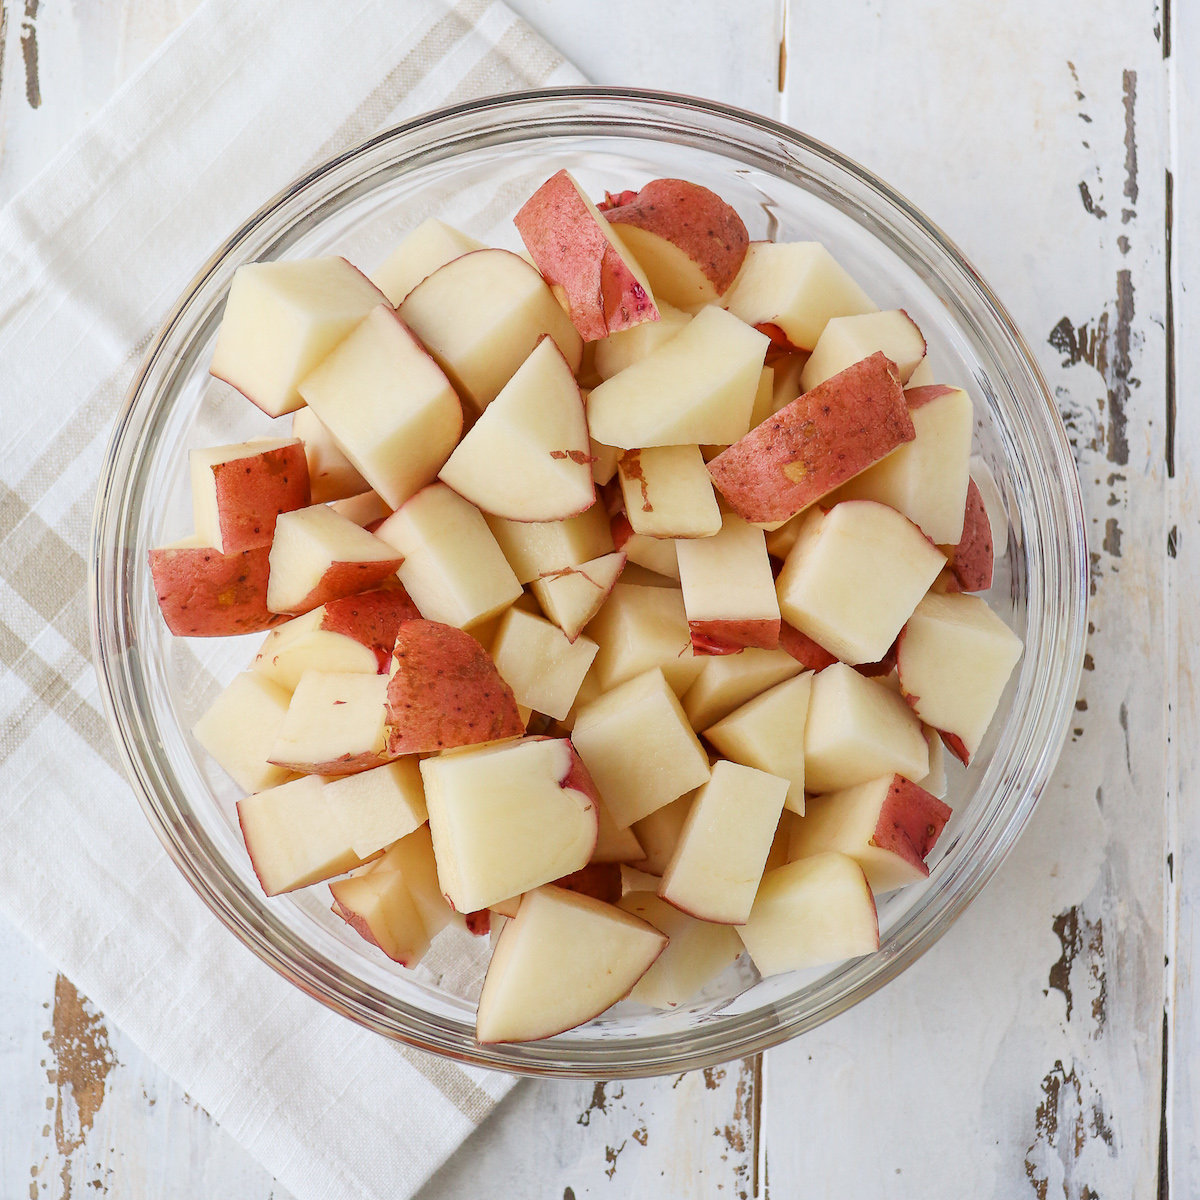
536,548
535,659
334,724
431,245
847,340
727,681
239,729
668,492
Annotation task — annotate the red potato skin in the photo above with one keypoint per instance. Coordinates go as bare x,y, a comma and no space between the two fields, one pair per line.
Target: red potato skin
956,746
479,922
816,443
972,560
372,618
917,396
343,579
951,741
571,251
445,691
203,593
695,220
579,779
616,199
253,491
731,637
910,822
347,764
884,666
601,881
621,530
809,654
363,929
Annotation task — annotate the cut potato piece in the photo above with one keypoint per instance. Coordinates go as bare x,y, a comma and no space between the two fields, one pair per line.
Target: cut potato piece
380,908
331,475
768,733
810,913
508,818
318,556
239,729
718,861
926,479
971,560
334,725
528,457
697,952
729,589
367,510
380,806
854,577
413,857
431,245
537,548
620,350
639,748
239,491
888,826
640,628
658,832
387,404
803,649
573,596
453,568
699,387
690,243
728,681
936,782
537,661
281,319
653,554
955,657
204,593
444,691
815,443
668,493
858,729
614,845
847,340
294,836
480,317
575,248
796,287
563,959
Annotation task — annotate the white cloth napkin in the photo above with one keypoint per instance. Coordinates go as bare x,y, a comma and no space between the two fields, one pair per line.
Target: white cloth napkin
92,254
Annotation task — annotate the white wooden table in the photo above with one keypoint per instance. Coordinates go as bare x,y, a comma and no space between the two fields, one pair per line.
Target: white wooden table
1059,145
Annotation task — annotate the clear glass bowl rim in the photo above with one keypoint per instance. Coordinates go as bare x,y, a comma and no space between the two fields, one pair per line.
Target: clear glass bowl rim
1063,558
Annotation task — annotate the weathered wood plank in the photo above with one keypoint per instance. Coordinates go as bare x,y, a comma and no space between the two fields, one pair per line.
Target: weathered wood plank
1023,1053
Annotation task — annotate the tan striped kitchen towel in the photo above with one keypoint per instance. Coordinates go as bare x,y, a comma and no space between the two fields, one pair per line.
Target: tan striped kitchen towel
93,252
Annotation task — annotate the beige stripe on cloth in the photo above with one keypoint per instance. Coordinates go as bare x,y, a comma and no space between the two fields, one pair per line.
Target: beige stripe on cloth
92,253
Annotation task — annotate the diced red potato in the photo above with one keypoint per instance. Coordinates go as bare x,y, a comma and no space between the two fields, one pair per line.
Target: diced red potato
697,388
633,879
785,386
690,243
282,318
620,350
858,729
571,597
888,826
847,340
506,819
796,287
815,443
334,725
809,913
204,593
658,833
543,668
722,848
379,806
728,590
238,729
803,649
528,456
604,458
444,691
936,782
971,561
413,857
431,245
614,845
239,491
955,657
767,733
537,548
380,908
353,634
696,953
854,577
387,404
562,960
452,566
727,681
637,743
576,250
652,553
331,475
480,316
925,479
668,493
367,510
318,556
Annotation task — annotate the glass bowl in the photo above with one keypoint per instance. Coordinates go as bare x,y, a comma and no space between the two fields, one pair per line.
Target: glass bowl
473,165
